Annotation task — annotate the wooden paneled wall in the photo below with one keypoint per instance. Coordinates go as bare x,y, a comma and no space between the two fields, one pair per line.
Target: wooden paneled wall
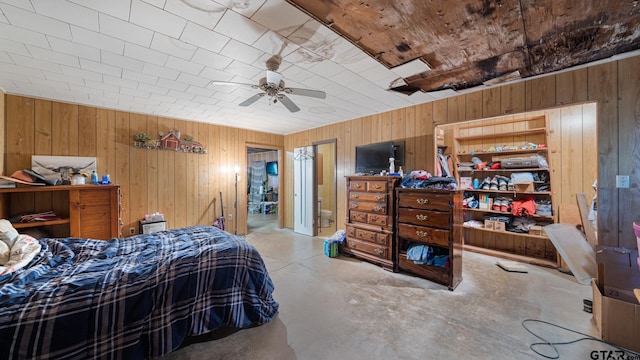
185,187
614,86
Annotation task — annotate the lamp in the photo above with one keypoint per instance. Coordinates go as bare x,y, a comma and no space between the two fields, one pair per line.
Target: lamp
236,169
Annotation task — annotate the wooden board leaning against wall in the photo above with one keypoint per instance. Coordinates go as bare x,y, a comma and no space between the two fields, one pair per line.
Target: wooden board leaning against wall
572,155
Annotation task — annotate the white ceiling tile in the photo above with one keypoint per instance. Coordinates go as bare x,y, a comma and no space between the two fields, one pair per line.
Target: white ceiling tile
120,82
238,27
71,48
211,59
413,67
343,50
183,65
27,61
100,67
326,68
274,44
139,77
117,8
153,89
51,83
53,56
297,74
121,61
84,74
281,17
157,3
360,62
135,92
14,47
35,22
243,70
156,19
26,5
92,38
124,30
242,52
203,37
199,91
160,71
215,74
244,7
174,85
172,46
192,79
101,86
315,37
146,101
68,12
3,19
180,94
64,78
145,54
26,36
202,12
4,57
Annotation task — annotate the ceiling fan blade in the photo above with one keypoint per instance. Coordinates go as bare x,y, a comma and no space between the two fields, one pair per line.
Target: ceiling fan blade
227,83
252,99
273,77
288,103
307,92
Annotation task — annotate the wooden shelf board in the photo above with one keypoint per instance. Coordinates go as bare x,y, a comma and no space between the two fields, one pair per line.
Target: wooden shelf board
508,213
508,233
29,188
504,134
40,223
504,152
505,170
510,256
509,192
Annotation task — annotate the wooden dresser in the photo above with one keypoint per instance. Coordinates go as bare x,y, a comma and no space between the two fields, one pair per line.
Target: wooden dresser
370,214
432,218
85,211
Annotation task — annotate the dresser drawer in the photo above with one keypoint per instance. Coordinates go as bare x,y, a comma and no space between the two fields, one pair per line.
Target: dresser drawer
378,219
358,185
428,201
358,216
372,236
364,196
368,247
351,231
380,208
377,186
437,219
424,234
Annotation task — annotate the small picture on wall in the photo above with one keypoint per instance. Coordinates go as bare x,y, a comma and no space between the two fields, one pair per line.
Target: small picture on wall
62,167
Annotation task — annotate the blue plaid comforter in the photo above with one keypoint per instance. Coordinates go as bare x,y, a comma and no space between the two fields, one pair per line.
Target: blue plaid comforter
131,298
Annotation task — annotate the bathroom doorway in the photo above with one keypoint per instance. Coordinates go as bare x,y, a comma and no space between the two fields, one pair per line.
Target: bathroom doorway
326,187
263,187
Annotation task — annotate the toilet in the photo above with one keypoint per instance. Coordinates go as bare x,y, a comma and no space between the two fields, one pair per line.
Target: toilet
325,215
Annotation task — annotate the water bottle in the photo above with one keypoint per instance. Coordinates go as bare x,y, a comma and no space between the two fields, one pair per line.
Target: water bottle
94,178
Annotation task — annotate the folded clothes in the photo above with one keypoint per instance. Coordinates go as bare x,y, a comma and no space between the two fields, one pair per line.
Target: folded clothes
419,254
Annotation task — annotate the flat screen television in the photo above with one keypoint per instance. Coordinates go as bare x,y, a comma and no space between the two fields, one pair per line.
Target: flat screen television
272,168
371,159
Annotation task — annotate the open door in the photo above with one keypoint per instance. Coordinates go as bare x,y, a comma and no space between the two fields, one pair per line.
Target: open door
303,191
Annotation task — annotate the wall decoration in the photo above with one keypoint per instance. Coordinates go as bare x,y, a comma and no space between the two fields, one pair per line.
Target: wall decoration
62,167
171,141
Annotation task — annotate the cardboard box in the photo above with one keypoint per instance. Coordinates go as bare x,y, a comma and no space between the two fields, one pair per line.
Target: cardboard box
524,187
499,225
488,224
617,321
536,230
618,272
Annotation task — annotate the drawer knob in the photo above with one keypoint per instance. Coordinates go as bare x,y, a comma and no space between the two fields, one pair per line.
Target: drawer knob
421,217
374,218
378,197
354,196
378,251
422,201
377,186
354,205
356,185
377,208
352,244
422,234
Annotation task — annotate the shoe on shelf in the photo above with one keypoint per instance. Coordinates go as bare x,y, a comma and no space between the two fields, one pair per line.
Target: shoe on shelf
497,203
510,185
486,184
494,184
502,182
505,205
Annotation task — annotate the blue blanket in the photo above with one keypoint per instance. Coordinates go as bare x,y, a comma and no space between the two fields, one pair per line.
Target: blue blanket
131,298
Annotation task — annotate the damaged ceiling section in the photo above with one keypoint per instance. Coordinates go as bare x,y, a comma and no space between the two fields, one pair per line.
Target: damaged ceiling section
467,43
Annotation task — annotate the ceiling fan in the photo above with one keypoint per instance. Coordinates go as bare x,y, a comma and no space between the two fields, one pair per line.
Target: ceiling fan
272,86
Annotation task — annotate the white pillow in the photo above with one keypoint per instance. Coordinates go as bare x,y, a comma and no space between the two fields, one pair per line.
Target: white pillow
4,253
7,233
23,251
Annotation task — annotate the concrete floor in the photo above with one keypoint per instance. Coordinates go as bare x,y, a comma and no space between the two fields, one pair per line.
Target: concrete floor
338,308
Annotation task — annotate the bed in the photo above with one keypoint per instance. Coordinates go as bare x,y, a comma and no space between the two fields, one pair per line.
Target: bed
131,298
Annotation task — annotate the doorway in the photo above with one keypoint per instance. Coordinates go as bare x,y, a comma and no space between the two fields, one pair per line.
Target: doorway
326,191
263,187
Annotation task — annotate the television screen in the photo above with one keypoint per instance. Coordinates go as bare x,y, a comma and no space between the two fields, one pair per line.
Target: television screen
373,158
272,168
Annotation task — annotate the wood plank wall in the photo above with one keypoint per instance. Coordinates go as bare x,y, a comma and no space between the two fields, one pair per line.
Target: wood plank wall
614,86
185,187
